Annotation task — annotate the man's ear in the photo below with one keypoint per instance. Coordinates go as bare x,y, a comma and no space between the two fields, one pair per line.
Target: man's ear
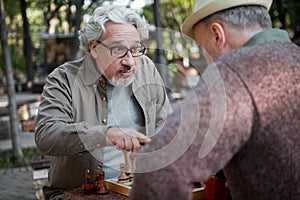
93,49
218,32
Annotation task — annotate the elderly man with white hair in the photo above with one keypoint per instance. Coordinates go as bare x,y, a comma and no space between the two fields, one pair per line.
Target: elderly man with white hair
245,118
110,100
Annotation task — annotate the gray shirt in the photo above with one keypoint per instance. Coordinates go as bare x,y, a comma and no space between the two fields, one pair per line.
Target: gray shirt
124,112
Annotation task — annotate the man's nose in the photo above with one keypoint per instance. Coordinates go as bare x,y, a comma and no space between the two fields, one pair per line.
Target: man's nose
128,59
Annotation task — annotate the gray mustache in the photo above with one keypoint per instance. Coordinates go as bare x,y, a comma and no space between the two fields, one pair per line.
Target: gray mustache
123,70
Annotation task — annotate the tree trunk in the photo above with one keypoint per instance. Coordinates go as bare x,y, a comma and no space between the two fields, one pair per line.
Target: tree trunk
78,19
27,42
16,144
160,61
11,14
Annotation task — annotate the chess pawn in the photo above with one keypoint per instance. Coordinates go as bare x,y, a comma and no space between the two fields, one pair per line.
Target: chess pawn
88,187
131,175
127,163
99,183
123,178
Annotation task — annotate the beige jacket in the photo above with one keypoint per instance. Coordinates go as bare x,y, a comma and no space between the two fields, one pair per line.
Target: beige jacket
71,121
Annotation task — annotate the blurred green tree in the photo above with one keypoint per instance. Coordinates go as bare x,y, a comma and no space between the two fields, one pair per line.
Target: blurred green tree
68,17
16,145
286,15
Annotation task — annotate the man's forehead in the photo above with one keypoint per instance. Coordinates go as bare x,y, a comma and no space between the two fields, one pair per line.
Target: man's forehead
119,32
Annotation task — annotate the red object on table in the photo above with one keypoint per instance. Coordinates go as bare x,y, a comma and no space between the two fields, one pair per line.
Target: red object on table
215,189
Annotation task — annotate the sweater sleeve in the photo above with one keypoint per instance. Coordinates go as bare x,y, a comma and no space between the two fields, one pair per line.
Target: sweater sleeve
202,135
56,132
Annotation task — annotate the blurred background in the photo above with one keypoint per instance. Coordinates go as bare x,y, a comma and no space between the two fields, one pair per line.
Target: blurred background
38,36
43,34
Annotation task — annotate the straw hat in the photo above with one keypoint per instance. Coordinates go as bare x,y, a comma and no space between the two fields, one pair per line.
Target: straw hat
204,8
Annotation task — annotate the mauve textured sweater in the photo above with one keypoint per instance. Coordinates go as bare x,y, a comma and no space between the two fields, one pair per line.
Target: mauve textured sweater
244,118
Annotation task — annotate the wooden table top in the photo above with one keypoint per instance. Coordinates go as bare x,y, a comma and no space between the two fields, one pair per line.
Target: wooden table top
77,194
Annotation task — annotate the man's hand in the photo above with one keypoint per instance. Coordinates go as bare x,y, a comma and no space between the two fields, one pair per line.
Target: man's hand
126,139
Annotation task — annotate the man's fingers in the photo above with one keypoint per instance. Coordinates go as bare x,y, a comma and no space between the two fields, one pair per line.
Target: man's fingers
128,145
126,139
135,133
144,140
119,145
136,145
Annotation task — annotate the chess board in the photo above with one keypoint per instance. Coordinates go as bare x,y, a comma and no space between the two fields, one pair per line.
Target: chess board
124,188
121,188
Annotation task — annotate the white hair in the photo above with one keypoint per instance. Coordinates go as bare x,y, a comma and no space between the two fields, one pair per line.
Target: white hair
95,26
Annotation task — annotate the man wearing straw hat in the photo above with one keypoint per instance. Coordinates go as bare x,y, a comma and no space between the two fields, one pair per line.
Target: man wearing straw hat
246,111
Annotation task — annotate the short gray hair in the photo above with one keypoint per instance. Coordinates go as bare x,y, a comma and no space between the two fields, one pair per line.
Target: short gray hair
244,17
95,26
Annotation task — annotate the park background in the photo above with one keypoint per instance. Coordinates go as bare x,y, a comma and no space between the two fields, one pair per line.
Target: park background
43,34
37,36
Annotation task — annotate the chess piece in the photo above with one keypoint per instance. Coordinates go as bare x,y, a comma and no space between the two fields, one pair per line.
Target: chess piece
127,162
131,175
99,182
88,187
123,178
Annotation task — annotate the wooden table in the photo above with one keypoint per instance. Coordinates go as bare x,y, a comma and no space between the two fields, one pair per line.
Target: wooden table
77,194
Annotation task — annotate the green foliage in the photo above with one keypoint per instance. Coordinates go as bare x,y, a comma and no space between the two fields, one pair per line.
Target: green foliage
148,13
12,6
19,63
6,157
285,14
173,13
38,14
172,69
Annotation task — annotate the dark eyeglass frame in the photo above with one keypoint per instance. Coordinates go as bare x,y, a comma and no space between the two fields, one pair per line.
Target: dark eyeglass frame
142,52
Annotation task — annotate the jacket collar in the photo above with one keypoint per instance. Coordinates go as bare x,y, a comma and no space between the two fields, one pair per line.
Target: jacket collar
89,71
267,36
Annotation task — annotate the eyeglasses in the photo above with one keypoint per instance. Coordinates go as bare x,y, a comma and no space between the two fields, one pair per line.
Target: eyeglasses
121,52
